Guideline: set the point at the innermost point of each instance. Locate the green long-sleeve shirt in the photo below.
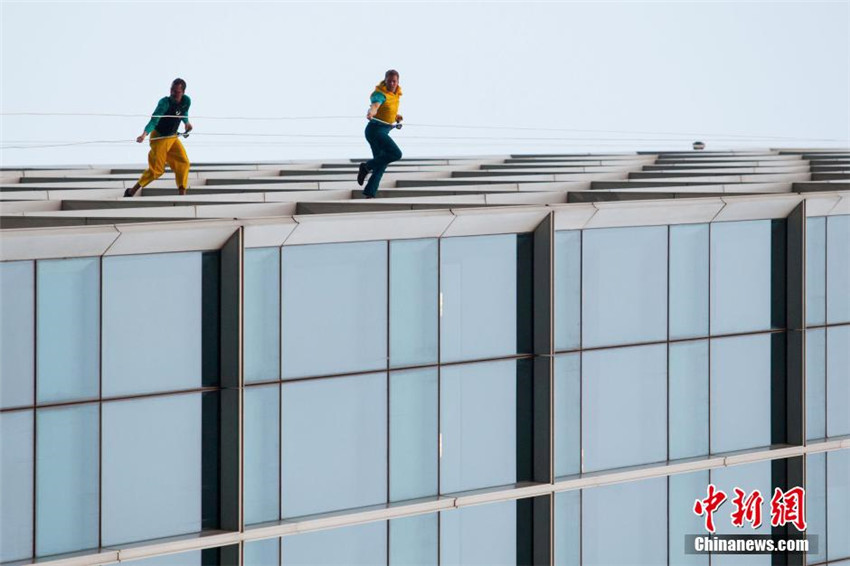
(168, 107)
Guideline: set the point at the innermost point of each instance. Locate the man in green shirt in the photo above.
(166, 147)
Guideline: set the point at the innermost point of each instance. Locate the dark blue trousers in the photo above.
(384, 152)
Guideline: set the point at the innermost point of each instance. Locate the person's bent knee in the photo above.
(396, 155)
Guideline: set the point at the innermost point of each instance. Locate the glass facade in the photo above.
(747, 478)
(478, 287)
(414, 301)
(640, 524)
(262, 314)
(262, 454)
(689, 280)
(414, 434)
(343, 283)
(342, 462)
(741, 276)
(151, 468)
(382, 375)
(740, 392)
(624, 407)
(624, 286)
(688, 402)
(362, 544)
(68, 336)
(478, 426)
(17, 327)
(67, 479)
(837, 269)
(567, 300)
(17, 463)
(485, 534)
(138, 322)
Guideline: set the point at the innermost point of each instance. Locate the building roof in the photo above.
(292, 203)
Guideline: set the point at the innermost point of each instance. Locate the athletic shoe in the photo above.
(361, 174)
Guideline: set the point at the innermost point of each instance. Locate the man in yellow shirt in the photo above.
(165, 143)
(383, 116)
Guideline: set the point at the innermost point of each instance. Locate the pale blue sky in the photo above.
(712, 68)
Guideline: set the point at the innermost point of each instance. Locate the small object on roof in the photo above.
(699, 145)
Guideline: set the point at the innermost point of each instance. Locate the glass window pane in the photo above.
(413, 434)
(68, 329)
(262, 460)
(816, 384)
(17, 327)
(68, 479)
(16, 485)
(343, 283)
(361, 544)
(688, 281)
(413, 541)
(740, 276)
(624, 282)
(816, 504)
(567, 289)
(640, 527)
(816, 270)
(261, 553)
(624, 407)
(748, 477)
(483, 534)
(567, 528)
(478, 425)
(478, 281)
(413, 302)
(838, 269)
(334, 444)
(688, 399)
(151, 468)
(740, 392)
(838, 380)
(683, 490)
(151, 323)
(567, 414)
(262, 314)
(838, 504)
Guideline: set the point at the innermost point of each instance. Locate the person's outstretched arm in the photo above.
(161, 108)
(373, 110)
(376, 99)
(187, 127)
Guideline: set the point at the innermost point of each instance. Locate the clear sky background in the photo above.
(570, 77)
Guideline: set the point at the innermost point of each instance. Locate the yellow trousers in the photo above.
(166, 150)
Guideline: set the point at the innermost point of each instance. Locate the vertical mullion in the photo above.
(826, 506)
(581, 396)
(709, 339)
(581, 357)
(100, 412)
(280, 397)
(35, 265)
(825, 381)
(795, 327)
(667, 390)
(231, 384)
(439, 389)
(387, 400)
(551, 359)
